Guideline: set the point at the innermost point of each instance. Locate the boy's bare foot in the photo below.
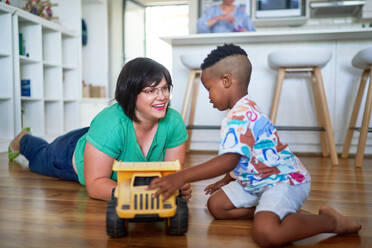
(344, 224)
(15, 144)
(305, 212)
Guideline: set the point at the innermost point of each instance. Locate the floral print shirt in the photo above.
(265, 161)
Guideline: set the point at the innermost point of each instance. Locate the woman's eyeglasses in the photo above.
(154, 92)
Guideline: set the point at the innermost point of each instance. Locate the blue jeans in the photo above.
(54, 159)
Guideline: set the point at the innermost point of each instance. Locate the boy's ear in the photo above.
(226, 80)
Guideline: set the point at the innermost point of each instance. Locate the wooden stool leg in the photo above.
(195, 92)
(323, 138)
(327, 120)
(354, 115)
(364, 129)
(276, 97)
(186, 100)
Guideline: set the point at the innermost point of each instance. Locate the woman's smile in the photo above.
(159, 107)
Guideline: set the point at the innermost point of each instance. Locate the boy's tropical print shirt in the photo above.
(265, 160)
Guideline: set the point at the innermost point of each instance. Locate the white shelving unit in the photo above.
(6, 76)
(50, 59)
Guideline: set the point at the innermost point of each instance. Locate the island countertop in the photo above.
(271, 36)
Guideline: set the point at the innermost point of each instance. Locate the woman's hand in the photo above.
(227, 18)
(186, 191)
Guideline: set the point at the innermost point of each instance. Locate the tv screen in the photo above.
(278, 8)
(277, 4)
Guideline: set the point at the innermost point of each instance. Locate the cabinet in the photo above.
(40, 62)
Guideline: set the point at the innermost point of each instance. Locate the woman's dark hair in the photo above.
(136, 75)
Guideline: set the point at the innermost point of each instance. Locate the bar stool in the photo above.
(362, 60)
(192, 62)
(300, 61)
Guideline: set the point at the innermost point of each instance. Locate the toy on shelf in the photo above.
(131, 201)
(41, 8)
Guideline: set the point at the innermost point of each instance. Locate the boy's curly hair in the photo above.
(221, 52)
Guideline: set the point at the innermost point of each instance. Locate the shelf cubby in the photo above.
(6, 76)
(6, 123)
(34, 73)
(52, 44)
(69, 49)
(6, 61)
(71, 115)
(53, 83)
(53, 117)
(71, 90)
(33, 116)
(6, 34)
(32, 41)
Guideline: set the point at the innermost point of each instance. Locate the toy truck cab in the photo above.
(131, 201)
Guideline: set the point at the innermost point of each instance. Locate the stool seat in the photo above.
(299, 58)
(192, 61)
(363, 59)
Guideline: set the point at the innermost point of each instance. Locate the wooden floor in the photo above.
(39, 211)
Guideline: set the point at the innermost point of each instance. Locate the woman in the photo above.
(139, 127)
(225, 17)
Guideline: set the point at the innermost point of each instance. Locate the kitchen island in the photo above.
(296, 106)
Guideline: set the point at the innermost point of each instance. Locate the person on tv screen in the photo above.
(225, 17)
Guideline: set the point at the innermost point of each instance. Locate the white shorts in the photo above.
(282, 199)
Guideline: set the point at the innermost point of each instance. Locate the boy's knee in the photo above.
(215, 208)
(265, 237)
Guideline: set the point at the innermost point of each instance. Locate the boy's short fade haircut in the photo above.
(221, 52)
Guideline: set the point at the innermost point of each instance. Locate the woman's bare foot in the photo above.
(344, 224)
(15, 144)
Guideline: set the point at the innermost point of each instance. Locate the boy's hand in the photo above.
(211, 188)
(167, 185)
(217, 185)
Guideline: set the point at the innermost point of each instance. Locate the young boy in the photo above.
(264, 179)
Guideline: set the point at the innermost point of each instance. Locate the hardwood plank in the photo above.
(39, 211)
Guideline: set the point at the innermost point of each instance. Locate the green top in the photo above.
(112, 132)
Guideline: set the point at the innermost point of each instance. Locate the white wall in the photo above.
(110, 19)
(115, 20)
(68, 13)
(193, 15)
(175, 18)
(95, 53)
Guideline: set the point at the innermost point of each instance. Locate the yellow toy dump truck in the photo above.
(131, 201)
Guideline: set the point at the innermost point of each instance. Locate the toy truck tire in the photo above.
(178, 224)
(115, 226)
